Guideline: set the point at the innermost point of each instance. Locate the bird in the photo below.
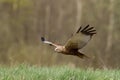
(77, 41)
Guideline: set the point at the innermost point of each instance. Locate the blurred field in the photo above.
(25, 72)
(24, 22)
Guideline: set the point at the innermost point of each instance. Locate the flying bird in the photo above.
(78, 40)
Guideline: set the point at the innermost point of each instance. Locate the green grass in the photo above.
(23, 72)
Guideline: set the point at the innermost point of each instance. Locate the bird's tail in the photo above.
(81, 55)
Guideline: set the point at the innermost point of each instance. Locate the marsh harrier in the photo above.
(75, 43)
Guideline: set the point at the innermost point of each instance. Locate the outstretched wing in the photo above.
(48, 42)
(81, 38)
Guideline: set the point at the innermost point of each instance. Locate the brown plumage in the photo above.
(75, 43)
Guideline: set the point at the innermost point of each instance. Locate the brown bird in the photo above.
(75, 43)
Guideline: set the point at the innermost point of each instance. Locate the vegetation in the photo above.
(23, 22)
(23, 72)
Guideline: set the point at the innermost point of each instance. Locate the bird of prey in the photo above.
(75, 43)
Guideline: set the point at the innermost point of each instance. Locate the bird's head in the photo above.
(59, 49)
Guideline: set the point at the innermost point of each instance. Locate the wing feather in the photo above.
(47, 42)
(81, 38)
(84, 29)
(79, 29)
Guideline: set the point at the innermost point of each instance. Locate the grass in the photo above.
(24, 72)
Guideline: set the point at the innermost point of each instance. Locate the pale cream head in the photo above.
(59, 49)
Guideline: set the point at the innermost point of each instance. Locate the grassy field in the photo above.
(23, 72)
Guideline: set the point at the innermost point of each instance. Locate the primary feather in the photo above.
(48, 42)
(81, 38)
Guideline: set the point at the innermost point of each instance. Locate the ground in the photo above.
(26, 72)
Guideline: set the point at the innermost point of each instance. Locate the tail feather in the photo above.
(81, 55)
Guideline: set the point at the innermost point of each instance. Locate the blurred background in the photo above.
(23, 22)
